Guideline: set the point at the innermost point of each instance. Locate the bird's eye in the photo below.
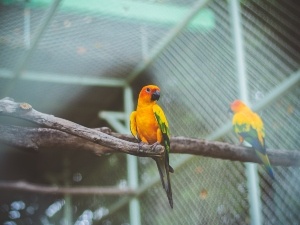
(148, 90)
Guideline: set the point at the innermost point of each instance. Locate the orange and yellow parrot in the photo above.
(250, 128)
(148, 124)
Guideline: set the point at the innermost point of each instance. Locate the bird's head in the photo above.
(237, 106)
(149, 93)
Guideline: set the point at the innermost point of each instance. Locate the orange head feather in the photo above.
(238, 106)
(148, 94)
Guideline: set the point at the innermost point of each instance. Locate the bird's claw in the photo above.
(153, 146)
(140, 146)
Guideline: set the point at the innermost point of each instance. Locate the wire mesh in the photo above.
(197, 76)
(200, 197)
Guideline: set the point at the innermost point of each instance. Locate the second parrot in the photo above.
(250, 128)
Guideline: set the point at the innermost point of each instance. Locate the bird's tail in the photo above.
(270, 171)
(164, 170)
(265, 160)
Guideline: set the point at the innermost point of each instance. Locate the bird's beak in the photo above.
(229, 110)
(155, 96)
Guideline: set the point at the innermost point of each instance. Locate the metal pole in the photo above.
(65, 78)
(27, 27)
(285, 86)
(251, 168)
(132, 165)
(68, 212)
(114, 119)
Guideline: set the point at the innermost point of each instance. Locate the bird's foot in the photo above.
(140, 146)
(153, 146)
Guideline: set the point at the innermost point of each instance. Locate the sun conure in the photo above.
(148, 124)
(250, 128)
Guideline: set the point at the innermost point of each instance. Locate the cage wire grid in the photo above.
(186, 90)
(196, 73)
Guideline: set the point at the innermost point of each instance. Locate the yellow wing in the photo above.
(258, 125)
(250, 126)
(133, 127)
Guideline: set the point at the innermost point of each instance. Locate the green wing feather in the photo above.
(163, 125)
(163, 163)
(250, 126)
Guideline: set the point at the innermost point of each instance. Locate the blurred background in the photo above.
(86, 61)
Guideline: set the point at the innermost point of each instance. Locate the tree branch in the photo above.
(25, 111)
(63, 133)
(41, 139)
(221, 150)
(24, 186)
